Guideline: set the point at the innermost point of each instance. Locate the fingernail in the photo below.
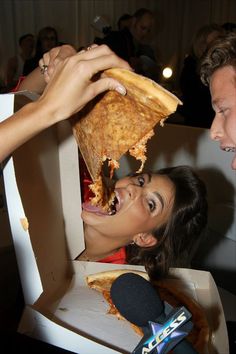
(121, 90)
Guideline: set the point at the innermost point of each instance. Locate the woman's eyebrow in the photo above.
(158, 195)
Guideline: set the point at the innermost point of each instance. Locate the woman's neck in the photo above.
(98, 246)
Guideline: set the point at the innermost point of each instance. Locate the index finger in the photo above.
(104, 51)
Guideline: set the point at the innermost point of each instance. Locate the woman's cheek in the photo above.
(138, 216)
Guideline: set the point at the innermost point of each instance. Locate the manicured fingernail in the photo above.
(121, 90)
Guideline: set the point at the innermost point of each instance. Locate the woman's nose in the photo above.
(216, 131)
(133, 190)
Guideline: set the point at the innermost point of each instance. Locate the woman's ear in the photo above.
(145, 240)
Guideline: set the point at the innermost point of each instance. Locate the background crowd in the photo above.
(149, 38)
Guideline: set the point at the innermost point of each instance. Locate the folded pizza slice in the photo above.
(111, 125)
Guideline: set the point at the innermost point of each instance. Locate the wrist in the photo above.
(45, 113)
(50, 112)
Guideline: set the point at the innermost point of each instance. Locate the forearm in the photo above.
(23, 125)
(33, 82)
(69, 89)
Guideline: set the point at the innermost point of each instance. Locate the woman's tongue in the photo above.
(87, 206)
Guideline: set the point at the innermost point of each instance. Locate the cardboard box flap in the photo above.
(39, 184)
(27, 265)
(70, 189)
(38, 326)
(18, 220)
(35, 197)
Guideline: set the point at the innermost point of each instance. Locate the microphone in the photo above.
(164, 327)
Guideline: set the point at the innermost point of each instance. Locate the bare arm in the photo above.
(70, 87)
(33, 82)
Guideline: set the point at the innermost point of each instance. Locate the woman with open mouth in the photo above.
(155, 221)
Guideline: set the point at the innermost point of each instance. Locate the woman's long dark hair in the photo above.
(177, 238)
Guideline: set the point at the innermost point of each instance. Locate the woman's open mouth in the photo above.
(98, 210)
(115, 205)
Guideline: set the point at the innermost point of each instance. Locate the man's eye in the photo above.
(141, 181)
(223, 111)
(151, 205)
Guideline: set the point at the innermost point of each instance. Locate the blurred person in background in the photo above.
(197, 110)
(124, 21)
(46, 40)
(132, 44)
(16, 63)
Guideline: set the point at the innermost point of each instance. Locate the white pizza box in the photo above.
(44, 204)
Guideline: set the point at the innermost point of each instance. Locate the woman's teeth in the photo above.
(113, 206)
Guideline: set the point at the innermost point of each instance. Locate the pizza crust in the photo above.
(102, 281)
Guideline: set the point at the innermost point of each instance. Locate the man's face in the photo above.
(223, 94)
(48, 41)
(142, 28)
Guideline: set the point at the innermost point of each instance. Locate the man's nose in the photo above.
(216, 131)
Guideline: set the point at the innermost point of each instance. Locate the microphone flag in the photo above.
(160, 338)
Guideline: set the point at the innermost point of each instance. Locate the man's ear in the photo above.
(145, 240)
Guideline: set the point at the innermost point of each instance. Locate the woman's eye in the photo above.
(151, 205)
(141, 181)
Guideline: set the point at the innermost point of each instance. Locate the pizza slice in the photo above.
(111, 125)
(199, 335)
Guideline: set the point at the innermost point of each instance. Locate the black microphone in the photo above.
(139, 302)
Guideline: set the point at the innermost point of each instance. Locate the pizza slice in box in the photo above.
(167, 290)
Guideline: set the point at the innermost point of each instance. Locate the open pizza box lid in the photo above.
(44, 204)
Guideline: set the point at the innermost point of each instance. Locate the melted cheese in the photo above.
(139, 150)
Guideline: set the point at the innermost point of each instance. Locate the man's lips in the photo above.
(233, 165)
(233, 150)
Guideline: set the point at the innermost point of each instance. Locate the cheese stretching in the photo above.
(139, 150)
(111, 125)
(97, 187)
(103, 196)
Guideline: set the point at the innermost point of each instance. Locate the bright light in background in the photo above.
(167, 72)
